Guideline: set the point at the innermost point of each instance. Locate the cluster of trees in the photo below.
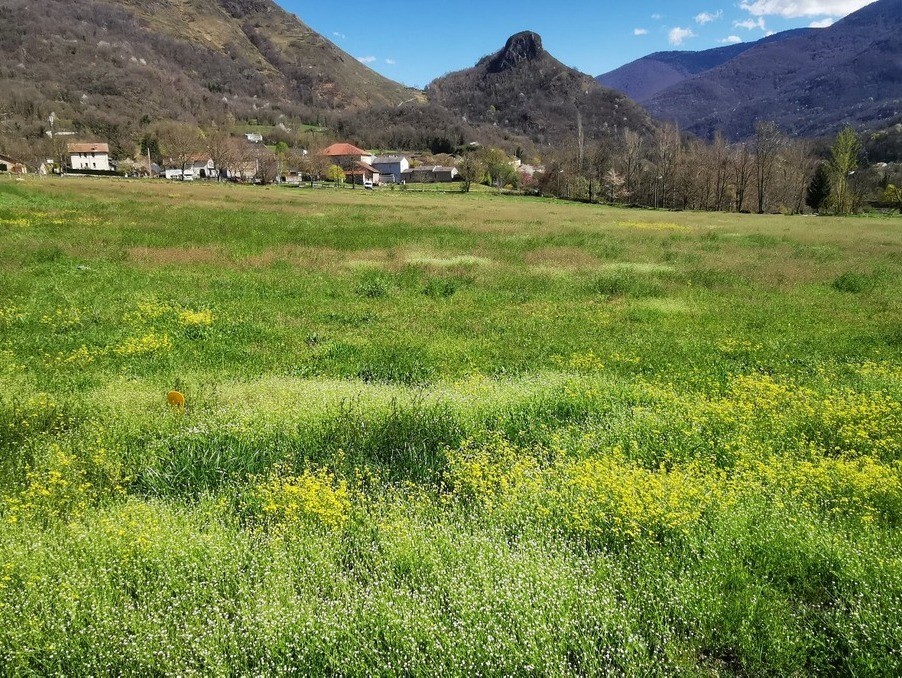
(175, 144)
(769, 173)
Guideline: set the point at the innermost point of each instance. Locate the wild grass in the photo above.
(456, 434)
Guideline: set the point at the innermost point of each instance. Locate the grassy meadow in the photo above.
(443, 434)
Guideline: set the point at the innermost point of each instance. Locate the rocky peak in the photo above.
(525, 46)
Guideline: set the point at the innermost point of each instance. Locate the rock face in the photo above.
(525, 46)
(525, 90)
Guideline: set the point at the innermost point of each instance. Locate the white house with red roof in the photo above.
(347, 155)
(90, 156)
(356, 163)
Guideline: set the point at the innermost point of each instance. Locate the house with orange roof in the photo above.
(89, 156)
(347, 155)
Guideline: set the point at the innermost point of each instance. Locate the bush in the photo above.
(854, 283)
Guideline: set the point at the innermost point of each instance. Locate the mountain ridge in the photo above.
(810, 85)
(643, 78)
(524, 89)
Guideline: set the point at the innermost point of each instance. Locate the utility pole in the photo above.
(52, 121)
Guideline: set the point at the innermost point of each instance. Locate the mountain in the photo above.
(810, 85)
(104, 65)
(526, 90)
(642, 79)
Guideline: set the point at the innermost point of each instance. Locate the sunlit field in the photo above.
(443, 435)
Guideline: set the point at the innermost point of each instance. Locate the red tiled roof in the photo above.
(89, 148)
(339, 150)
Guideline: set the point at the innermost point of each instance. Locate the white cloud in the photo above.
(656, 17)
(826, 22)
(390, 62)
(793, 9)
(640, 31)
(339, 35)
(708, 17)
(366, 59)
(750, 24)
(678, 35)
(731, 40)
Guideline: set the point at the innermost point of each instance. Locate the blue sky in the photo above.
(415, 42)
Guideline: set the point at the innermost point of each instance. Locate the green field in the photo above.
(443, 434)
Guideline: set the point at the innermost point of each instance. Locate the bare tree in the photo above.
(742, 168)
(632, 161)
(218, 145)
(797, 167)
(667, 150)
(768, 143)
(719, 161)
(178, 143)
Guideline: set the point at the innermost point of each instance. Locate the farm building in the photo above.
(7, 164)
(430, 174)
(199, 166)
(347, 156)
(363, 174)
(89, 156)
(391, 167)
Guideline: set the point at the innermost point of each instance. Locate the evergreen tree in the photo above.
(819, 188)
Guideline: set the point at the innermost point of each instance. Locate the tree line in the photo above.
(769, 173)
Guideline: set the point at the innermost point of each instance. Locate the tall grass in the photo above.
(458, 434)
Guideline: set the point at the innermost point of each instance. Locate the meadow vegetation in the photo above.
(457, 434)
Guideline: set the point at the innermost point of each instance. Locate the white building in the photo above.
(391, 167)
(89, 157)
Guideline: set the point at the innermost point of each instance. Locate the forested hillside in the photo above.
(109, 67)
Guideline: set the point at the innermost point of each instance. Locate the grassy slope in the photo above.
(443, 431)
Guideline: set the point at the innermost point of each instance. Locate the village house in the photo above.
(430, 174)
(7, 164)
(199, 166)
(391, 167)
(363, 174)
(203, 167)
(89, 156)
(347, 156)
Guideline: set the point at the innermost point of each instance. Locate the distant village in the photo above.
(340, 163)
